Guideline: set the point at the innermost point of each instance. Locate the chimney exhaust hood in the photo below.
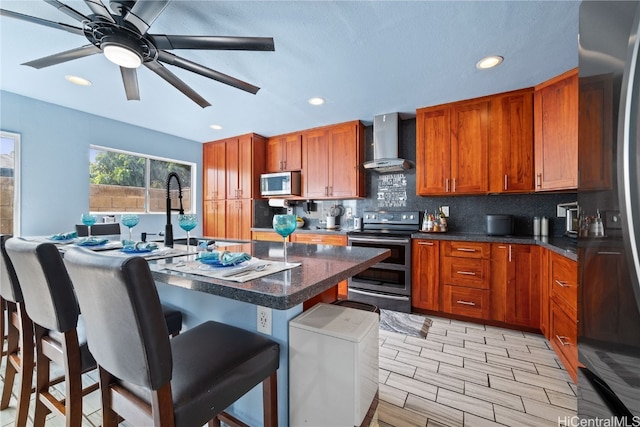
(385, 146)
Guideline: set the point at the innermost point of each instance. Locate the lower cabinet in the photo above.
(425, 279)
(464, 301)
(214, 218)
(267, 236)
(239, 219)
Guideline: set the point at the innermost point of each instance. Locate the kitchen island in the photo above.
(202, 298)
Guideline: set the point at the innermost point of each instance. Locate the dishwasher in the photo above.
(333, 366)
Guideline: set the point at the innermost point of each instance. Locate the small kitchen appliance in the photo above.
(499, 225)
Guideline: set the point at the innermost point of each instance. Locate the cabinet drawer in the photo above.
(466, 249)
(466, 301)
(267, 236)
(319, 239)
(564, 337)
(468, 272)
(564, 280)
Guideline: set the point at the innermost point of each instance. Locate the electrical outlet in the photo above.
(264, 320)
(445, 210)
(348, 213)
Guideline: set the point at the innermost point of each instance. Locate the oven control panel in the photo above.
(385, 217)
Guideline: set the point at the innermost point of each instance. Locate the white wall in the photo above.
(55, 161)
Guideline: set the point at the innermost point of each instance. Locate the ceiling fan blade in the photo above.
(130, 80)
(69, 11)
(172, 79)
(61, 57)
(143, 13)
(51, 24)
(169, 58)
(99, 9)
(162, 41)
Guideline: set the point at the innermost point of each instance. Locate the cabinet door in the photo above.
(470, 147)
(239, 219)
(245, 167)
(344, 161)
(275, 154)
(426, 276)
(511, 144)
(214, 171)
(595, 133)
(233, 164)
(214, 218)
(544, 293)
(316, 164)
(433, 150)
(293, 152)
(523, 286)
(556, 133)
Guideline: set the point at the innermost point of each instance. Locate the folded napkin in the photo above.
(91, 241)
(64, 236)
(131, 246)
(223, 257)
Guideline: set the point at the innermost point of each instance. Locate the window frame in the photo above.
(17, 138)
(147, 179)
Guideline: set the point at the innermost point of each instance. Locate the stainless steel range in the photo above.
(388, 283)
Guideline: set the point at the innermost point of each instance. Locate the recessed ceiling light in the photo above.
(215, 127)
(77, 80)
(316, 101)
(489, 62)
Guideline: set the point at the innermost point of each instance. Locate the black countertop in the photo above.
(322, 267)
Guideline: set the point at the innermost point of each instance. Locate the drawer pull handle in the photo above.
(465, 302)
(608, 253)
(426, 243)
(466, 273)
(466, 249)
(562, 340)
(562, 284)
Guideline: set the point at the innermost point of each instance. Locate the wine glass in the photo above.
(284, 225)
(130, 220)
(88, 219)
(188, 222)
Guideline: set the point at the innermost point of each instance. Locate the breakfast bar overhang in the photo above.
(321, 268)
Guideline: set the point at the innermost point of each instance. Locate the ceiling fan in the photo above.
(123, 39)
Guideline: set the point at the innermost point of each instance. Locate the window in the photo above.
(121, 181)
(9, 183)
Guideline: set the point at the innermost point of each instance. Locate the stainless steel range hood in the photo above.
(385, 146)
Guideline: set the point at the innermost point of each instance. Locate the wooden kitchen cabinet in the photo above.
(425, 281)
(465, 278)
(511, 142)
(331, 158)
(214, 218)
(267, 236)
(563, 302)
(215, 172)
(515, 284)
(452, 148)
(595, 135)
(245, 156)
(556, 133)
(324, 239)
(239, 218)
(284, 153)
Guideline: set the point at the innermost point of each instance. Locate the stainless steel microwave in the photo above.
(280, 184)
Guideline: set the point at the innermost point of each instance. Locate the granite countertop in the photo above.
(322, 267)
(561, 245)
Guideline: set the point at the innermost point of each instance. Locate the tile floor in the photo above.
(462, 374)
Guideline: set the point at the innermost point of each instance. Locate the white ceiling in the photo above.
(364, 57)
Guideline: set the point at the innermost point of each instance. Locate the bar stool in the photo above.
(20, 350)
(59, 332)
(147, 378)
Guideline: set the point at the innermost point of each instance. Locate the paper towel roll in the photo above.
(278, 203)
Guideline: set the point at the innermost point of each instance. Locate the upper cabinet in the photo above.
(556, 133)
(245, 162)
(214, 166)
(511, 143)
(595, 134)
(284, 153)
(331, 158)
(452, 148)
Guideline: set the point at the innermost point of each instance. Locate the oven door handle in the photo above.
(379, 295)
(381, 241)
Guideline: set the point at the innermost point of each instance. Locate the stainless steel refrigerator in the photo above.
(609, 194)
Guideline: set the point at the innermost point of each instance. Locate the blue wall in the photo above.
(55, 161)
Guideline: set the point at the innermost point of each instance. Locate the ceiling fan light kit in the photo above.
(123, 39)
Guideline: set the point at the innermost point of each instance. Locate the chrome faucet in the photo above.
(168, 229)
